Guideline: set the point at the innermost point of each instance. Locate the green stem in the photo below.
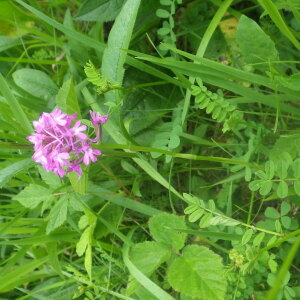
(136, 148)
(272, 295)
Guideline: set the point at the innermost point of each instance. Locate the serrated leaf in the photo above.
(283, 189)
(265, 188)
(198, 273)
(33, 195)
(147, 257)
(284, 208)
(161, 229)
(247, 236)
(58, 214)
(258, 46)
(272, 213)
(35, 82)
(162, 13)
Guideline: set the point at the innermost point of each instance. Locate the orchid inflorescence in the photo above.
(61, 148)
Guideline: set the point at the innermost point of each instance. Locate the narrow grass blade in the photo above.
(273, 12)
(15, 107)
(272, 295)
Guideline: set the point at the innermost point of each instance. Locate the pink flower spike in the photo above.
(77, 130)
(97, 118)
(89, 154)
(61, 147)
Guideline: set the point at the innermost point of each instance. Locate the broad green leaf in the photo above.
(9, 172)
(99, 10)
(265, 188)
(284, 208)
(58, 213)
(247, 236)
(198, 272)
(255, 45)
(33, 195)
(147, 257)
(66, 99)
(163, 229)
(119, 37)
(35, 82)
(283, 189)
(51, 179)
(272, 213)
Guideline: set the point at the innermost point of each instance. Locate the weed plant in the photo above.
(193, 191)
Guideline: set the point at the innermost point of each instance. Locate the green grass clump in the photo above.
(196, 195)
